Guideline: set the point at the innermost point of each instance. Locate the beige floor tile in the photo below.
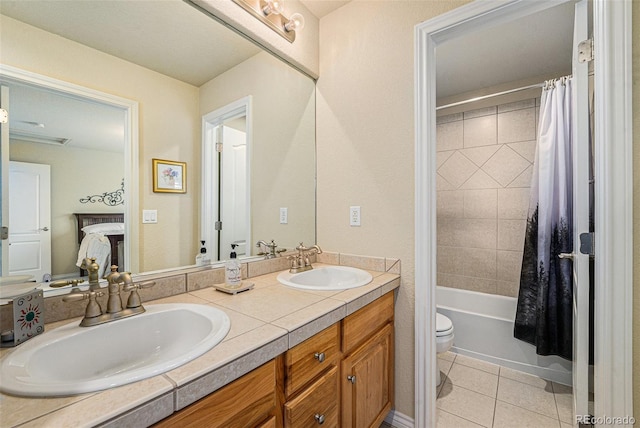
(564, 402)
(474, 379)
(478, 364)
(565, 425)
(528, 397)
(527, 378)
(509, 416)
(449, 356)
(467, 404)
(447, 420)
(444, 365)
(559, 388)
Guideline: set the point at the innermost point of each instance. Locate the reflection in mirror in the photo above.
(174, 95)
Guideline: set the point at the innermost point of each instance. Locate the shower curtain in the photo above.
(544, 315)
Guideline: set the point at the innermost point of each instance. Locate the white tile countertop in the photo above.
(265, 322)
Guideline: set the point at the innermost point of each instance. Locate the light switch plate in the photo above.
(354, 216)
(149, 216)
(284, 216)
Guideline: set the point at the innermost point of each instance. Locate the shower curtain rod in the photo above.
(497, 94)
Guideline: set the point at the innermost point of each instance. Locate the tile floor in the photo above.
(475, 393)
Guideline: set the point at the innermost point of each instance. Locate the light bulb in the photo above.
(296, 22)
(273, 7)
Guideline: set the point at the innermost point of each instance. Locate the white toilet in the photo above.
(444, 338)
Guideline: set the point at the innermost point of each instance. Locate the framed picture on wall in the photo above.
(169, 176)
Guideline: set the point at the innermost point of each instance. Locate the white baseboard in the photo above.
(399, 420)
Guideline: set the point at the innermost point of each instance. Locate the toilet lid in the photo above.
(443, 325)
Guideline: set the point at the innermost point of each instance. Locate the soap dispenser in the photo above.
(232, 274)
(203, 258)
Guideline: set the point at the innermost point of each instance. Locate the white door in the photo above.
(581, 216)
(233, 196)
(29, 219)
(4, 181)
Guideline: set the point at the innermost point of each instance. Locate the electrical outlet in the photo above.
(284, 216)
(149, 216)
(354, 216)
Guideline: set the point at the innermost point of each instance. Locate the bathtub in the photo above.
(483, 326)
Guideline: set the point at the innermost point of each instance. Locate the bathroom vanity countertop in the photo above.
(265, 322)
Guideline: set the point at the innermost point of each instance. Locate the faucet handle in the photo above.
(147, 284)
(63, 282)
(93, 307)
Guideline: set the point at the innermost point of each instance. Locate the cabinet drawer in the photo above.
(310, 358)
(243, 403)
(360, 325)
(271, 423)
(316, 405)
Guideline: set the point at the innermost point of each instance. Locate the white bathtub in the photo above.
(483, 326)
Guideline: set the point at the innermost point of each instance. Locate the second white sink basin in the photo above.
(73, 360)
(326, 278)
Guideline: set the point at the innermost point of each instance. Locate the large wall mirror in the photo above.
(175, 65)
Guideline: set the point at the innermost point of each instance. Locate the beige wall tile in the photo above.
(517, 105)
(479, 155)
(479, 263)
(507, 288)
(450, 204)
(203, 279)
(448, 118)
(449, 136)
(518, 125)
(481, 285)
(393, 266)
(513, 204)
(449, 259)
(485, 111)
(505, 166)
(363, 262)
(524, 179)
(511, 234)
(457, 169)
(450, 280)
(470, 233)
(480, 131)
(481, 180)
(480, 203)
(441, 157)
(509, 264)
(526, 149)
(329, 258)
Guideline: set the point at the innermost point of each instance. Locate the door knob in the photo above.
(44, 229)
(351, 378)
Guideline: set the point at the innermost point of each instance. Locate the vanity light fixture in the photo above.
(270, 13)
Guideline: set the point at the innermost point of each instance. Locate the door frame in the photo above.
(613, 188)
(131, 163)
(209, 204)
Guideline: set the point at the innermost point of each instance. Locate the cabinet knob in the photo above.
(319, 356)
(351, 378)
(319, 419)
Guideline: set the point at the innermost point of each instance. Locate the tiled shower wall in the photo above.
(485, 159)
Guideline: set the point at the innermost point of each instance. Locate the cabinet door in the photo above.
(316, 405)
(367, 381)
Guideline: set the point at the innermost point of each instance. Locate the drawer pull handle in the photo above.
(319, 356)
(351, 378)
(319, 419)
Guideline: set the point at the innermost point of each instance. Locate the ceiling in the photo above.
(177, 40)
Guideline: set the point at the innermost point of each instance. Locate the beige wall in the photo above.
(168, 120)
(283, 152)
(636, 207)
(67, 164)
(365, 144)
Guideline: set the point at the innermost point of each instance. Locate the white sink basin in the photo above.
(326, 278)
(73, 360)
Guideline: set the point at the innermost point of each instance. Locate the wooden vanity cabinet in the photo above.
(367, 367)
(340, 377)
(312, 390)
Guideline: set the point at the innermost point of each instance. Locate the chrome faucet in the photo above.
(94, 314)
(301, 262)
(89, 264)
(270, 251)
